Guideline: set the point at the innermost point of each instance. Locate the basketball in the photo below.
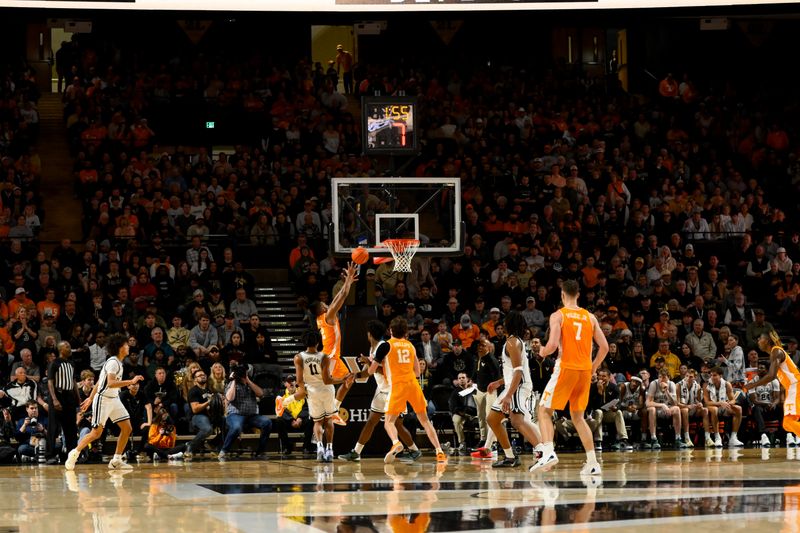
(360, 255)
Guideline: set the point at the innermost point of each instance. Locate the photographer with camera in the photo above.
(30, 430)
(208, 409)
(242, 411)
(162, 437)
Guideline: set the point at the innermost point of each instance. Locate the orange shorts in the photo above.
(402, 393)
(567, 385)
(339, 370)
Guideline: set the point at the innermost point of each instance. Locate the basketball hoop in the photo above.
(403, 251)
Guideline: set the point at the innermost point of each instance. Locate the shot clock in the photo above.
(389, 125)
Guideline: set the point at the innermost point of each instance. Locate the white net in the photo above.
(403, 251)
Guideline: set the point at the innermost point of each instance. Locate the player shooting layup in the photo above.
(331, 331)
(572, 330)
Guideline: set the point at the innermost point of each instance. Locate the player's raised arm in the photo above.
(602, 344)
(554, 335)
(338, 300)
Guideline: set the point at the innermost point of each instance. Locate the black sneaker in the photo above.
(508, 462)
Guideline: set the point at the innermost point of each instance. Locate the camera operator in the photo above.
(29, 431)
(204, 404)
(242, 411)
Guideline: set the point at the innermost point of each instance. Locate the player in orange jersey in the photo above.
(572, 329)
(401, 368)
(331, 331)
(786, 371)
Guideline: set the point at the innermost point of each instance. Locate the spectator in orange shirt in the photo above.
(494, 319)
(20, 300)
(295, 254)
(668, 88)
(466, 331)
(612, 317)
(49, 304)
(590, 273)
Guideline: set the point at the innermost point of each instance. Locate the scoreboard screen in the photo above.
(390, 125)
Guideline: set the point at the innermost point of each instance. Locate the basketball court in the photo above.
(727, 490)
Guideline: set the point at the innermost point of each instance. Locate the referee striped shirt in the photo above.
(62, 373)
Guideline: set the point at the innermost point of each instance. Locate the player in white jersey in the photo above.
(375, 332)
(516, 401)
(690, 401)
(314, 381)
(106, 404)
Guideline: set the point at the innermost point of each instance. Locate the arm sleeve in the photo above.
(382, 352)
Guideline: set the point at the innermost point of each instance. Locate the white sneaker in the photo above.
(765, 443)
(175, 457)
(72, 459)
(591, 469)
(222, 456)
(687, 441)
(734, 442)
(592, 482)
(791, 442)
(544, 464)
(718, 441)
(119, 464)
(709, 441)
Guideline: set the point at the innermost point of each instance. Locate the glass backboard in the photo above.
(367, 211)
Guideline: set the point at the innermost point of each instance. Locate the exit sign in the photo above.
(210, 125)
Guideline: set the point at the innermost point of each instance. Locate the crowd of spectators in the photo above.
(670, 209)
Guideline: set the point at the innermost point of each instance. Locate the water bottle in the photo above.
(495, 454)
(155, 458)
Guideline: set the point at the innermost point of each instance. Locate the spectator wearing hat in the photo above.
(344, 68)
(466, 332)
(533, 317)
(612, 317)
(20, 300)
(494, 320)
(783, 261)
(228, 328)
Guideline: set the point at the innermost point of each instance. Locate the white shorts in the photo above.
(321, 401)
(521, 402)
(105, 409)
(379, 402)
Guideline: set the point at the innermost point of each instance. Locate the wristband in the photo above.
(517, 368)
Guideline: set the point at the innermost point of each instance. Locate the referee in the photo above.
(63, 403)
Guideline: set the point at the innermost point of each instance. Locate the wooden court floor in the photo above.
(700, 490)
